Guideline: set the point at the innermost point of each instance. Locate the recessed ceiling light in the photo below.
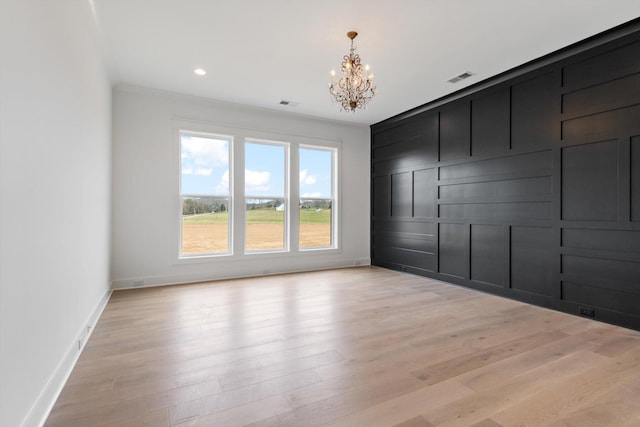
(200, 71)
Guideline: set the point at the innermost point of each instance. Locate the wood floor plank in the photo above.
(551, 403)
(322, 412)
(395, 411)
(433, 374)
(349, 347)
(415, 422)
(275, 370)
(505, 370)
(487, 422)
(185, 411)
(365, 376)
(241, 415)
(156, 418)
(485, 403)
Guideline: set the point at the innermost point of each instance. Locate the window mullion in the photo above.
(294, 198)
(239, 205)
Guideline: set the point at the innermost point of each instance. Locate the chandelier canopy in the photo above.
(355, 88)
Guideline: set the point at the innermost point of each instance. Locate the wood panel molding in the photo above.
(531, 178)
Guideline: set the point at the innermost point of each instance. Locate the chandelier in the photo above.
(355, 88)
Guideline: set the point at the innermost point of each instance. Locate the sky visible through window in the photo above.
(205, 165)
(264, 170)
(205, 168)
(315, 173)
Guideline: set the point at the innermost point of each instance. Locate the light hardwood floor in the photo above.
(352, 347)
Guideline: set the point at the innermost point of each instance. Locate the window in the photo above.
(204, 194)
(253, 195)
(265, 189)
(316, 217)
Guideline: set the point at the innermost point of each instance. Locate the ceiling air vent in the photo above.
(289, 103)
(459, 77)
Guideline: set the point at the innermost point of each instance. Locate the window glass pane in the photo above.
(205, 225)
(264, 173)
(316, 173)
(265, 187)
(316, 198)
(204, 187)
(315, 223)
(205, 165)
(265, 224)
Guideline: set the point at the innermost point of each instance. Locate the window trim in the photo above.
(286, 244)
(236, 164)
(231, 143)
(335, 205)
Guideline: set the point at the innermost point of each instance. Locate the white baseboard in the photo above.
(44, 403)
(219, 274)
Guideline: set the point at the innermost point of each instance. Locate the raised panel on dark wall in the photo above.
(407, 227)
(404, 154)
(487, 254)
(635, 178)
(402, 257)
(607, 274)
(620, 241)
(452, 249)
(520, 211)
(609, 65)
(404, 244)
(603, 97)
(413, 242)
(580, 293)
(532, 113)
(424, 193)
(530, 162)
(601, 126)
(381, 197)
(455, 132)
(401, 194)
(493, 191)
(531, 260)
(490, 122)
(526, 185)
(429, 124)
(406, 149)
(409, 145)
(590, 182)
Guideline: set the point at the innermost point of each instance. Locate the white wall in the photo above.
(145, 186)
(55, 115)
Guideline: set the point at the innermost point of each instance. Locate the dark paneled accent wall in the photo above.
(528, 187)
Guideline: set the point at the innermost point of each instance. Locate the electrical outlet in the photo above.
(587, 312)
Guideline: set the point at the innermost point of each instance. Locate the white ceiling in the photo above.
(258, 52)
